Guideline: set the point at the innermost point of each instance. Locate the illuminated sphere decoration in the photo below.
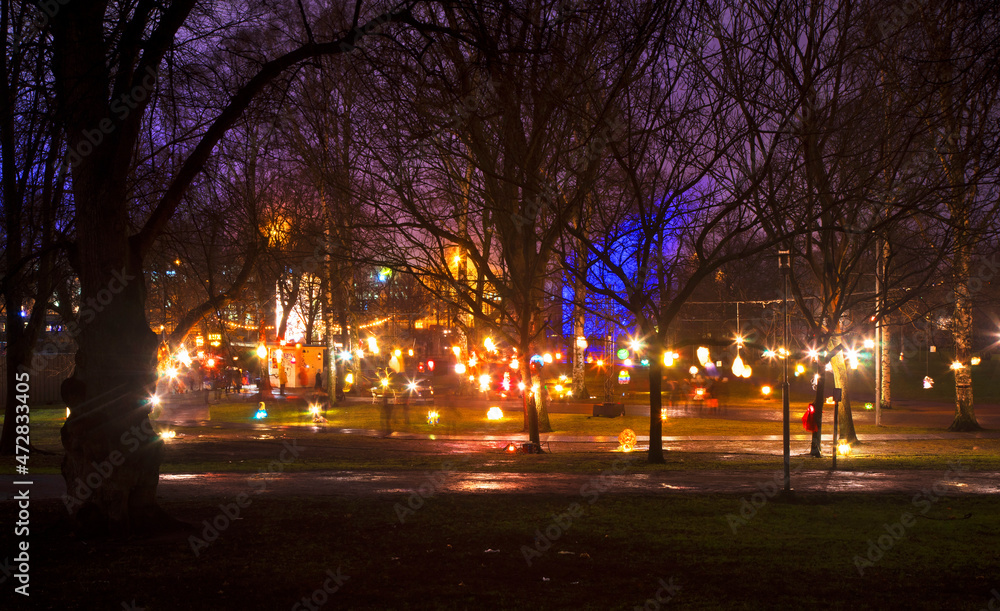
(494, 413)
(433, 417)
(626, 439)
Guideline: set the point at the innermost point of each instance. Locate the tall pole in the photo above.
(784, 266)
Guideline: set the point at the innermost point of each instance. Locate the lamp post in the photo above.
(784, 266)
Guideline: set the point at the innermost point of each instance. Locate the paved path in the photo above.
(620, 478)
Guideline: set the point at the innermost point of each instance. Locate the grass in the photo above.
(612, 556)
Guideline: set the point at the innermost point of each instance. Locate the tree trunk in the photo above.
(965, 415)
(885, 372)
(527, 398)
(816, 448)
(655, 405)
(113, 454)
(580, 391)
(842, 379)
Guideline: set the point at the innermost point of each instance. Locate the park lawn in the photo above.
(469, 551)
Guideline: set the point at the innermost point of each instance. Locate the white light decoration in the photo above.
(703, 356)
(547, 358)
(488, 343)
(747, 371)
(484, 382)
(581, 342)
(869, 344)
(494, 413)
(693, 370)
(738, 366)
(668, 359)
(459, 368)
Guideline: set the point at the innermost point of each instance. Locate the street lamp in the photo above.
(784, 266)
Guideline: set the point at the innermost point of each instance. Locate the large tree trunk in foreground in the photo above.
(113, 454)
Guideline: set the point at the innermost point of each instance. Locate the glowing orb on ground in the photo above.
(765, 390)
(314, 409)
(626, 439)
(844, 449)
(433, 417)
(168, 434)
(494, 413)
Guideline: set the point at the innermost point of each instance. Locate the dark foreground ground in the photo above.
(462, 551)
(357, 522)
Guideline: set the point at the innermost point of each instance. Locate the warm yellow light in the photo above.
(397, 352)
(155, 400)
(385, 381)
(812, 353)
(956, 365)
(558, 387)
(627, 362)
(168, 434)
(494, 413)
(521, 385)
(313, 409)
(211, 362)
(626, 439)
(844, 448)
(635, 345)
(184, 357)
(663, 413)
(800, 368)
(739, 340)
(668, 359)
(747, 371)
(975, 360)
(581, 342)
(765, 390)
(459, 368)
(349, 378)
(693, 370)
(869, 343)
(409, 352)
(360, 353)
(852, 358)
(600, 362)
(515, 364)
(456, 350)
(558, 356)
(488, 343)
(484, 382)
(171, 372)
(432, 417)
(278, 354)
(547, 358)
(372, 345)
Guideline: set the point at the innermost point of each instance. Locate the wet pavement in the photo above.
(621, 478)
